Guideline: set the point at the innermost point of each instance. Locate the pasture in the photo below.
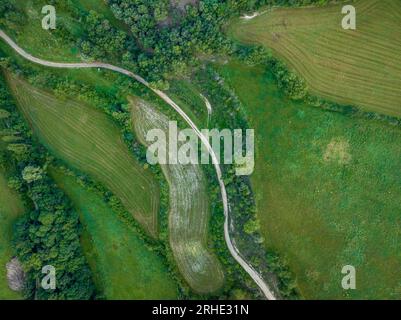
(123, 266)
(327, 189)
(88, 140)
(359, 67)
(10, 209)
(189, 209)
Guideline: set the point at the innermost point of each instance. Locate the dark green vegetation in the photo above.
(86, 139)
(48, 234)
(326, 187)
(124, 267)
(11, 208)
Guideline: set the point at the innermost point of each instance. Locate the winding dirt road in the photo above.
(233, 249)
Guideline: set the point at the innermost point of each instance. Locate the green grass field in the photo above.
(360, 67)
(189, 210)
(327, 189)
(123, 266)
(10, 209)
(45, 44)
(87, 140)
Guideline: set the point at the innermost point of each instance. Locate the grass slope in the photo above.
(49, 44)
(86, 139)
(189, 210)
(188, 96)
(45, 44)
(327, 189)
(124, 267)
(10, 208)
(360, 67)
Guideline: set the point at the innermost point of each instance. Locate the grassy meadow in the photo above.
(188, 96)
(88, 140)
(123, 266)
(360, 67)
(327, 188)
(45, 44)
(10, 209)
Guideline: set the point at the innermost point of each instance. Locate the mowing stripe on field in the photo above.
(189, 210)
(360, 67)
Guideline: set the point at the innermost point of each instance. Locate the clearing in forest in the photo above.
(189, 209)
(122, 264)
(88, 140)
(359, 67)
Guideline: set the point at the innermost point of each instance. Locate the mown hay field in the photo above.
(122, 264)
(359, 67)
(11, 208)
(89, 141)
(189, 209)
(327, 189)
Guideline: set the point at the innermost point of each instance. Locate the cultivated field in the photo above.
(10, 209)
(189, 210)
(123, 266)
(359, 67)
(87, 140)
(327, 188)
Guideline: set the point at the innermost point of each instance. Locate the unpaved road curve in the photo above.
(233, 249)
